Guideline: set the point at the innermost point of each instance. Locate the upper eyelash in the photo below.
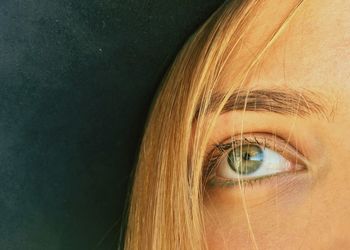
(226, 146)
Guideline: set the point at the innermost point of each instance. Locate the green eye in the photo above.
(251, 158)
(245, 159)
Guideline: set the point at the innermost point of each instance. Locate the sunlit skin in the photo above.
(307, 209)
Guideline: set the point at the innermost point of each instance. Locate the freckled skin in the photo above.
(302, 211)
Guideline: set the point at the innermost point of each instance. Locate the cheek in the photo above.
(281, 213)
(274, 213)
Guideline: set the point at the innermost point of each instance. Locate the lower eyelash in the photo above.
(244, 182)
(217, 182)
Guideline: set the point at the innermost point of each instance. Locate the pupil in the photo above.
(246, 159)
(246, 156)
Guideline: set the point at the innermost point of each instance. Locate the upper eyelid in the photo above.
(255, 135)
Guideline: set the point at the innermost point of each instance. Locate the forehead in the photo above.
(312, 50)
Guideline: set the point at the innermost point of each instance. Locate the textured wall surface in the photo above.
(76, 81)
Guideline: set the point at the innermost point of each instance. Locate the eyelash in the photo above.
(247, 182)
(223, 148)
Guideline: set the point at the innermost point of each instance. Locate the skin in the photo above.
(303, 210)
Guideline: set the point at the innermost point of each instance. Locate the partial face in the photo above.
(281, 175)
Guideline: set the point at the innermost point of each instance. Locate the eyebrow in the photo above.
(285, 102)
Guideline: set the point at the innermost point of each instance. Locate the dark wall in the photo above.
(76, 81)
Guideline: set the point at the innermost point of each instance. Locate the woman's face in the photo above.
(295, 135)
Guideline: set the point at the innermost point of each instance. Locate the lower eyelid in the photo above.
(222, 182)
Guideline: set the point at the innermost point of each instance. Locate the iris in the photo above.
(246, 159)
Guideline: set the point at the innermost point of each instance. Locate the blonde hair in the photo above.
(166, 207)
